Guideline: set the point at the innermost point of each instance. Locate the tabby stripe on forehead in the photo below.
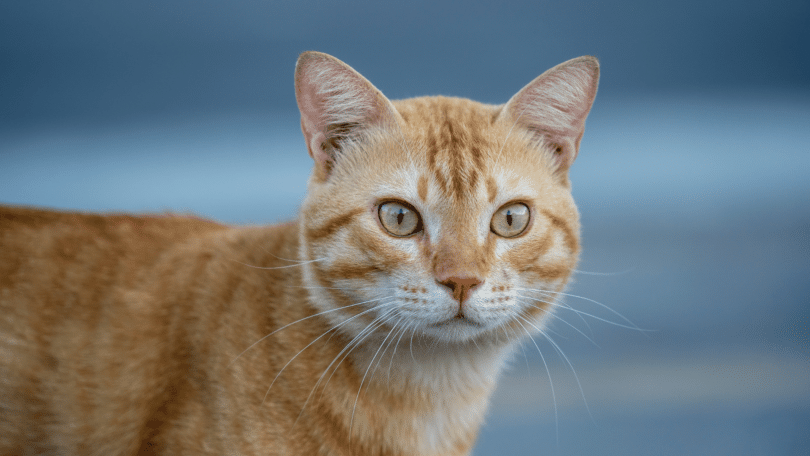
(456, 162)
(478, 163)
(421, 187)
(332, 225)
(455, 153)
(433, 151)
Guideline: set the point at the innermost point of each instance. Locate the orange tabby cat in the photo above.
(435, 235)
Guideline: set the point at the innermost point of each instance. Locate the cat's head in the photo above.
(440, 216)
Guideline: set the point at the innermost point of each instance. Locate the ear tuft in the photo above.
(555, 105)
(337, 105)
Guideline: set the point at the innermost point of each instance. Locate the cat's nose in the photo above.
(460, 286)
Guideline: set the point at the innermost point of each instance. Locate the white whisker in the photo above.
(287, 259)
(635, 328)
(378, 322)
(562, 355)
(302, 319)
(360, 388)
(394, 353)
(604, 273)
(358, 338)
(553, 315)
(310, 344)
(341, 288)
(550, 382)
(393, 331)
(279, 267)
(549, 292)
(523, 350)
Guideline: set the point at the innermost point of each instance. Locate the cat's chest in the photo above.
(436, 400)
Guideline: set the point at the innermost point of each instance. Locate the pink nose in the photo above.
(460, 286)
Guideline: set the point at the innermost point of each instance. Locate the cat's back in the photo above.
(52, 246)
(75, 288)
(51, 257)
(37, 230)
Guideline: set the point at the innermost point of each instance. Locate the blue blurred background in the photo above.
(693, 178)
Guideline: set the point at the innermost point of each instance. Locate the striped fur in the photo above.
(325, 336)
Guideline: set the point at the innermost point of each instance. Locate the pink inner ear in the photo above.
(335, 102)
(555, 105)
(313, 129)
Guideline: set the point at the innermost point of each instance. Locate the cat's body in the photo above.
(408, 279)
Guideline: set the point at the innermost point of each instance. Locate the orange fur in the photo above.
(168, 334)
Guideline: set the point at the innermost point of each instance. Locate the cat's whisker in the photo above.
(349, 346)
(413, 331)
(604, 273)
(341, 288)
(550, 292)
(287, 259)
(360, 388)
(559, 303)
(394, 330)
(581, 312)
(553, 315)
(310, 344)
(394, 354)
(302, 319)
(357, 340)
(573, 371)
(279, 267)
(504, 333)
(525, 358)
(555, 333)
(315, 387)
(475, 343)
(550, 382)
(562, 355)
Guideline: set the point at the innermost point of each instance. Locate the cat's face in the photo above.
(437, 216)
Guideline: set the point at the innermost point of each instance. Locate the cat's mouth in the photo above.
(458, 319)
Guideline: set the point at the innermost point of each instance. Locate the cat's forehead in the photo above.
(455, 141)
(464, 148)
(444, 123)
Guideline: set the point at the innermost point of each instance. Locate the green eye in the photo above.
(399, 219)
(510, 220)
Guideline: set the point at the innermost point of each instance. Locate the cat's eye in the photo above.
(510, 220)
(399, 219)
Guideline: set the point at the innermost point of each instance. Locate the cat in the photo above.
(436, 235)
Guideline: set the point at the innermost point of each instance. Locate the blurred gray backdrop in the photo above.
(693, 179)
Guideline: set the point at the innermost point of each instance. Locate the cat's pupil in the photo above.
(400, 216)
(509, 218)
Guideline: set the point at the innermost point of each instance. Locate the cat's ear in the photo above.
(554, 107)
(337, 105)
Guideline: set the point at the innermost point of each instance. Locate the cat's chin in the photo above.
(456, 330)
